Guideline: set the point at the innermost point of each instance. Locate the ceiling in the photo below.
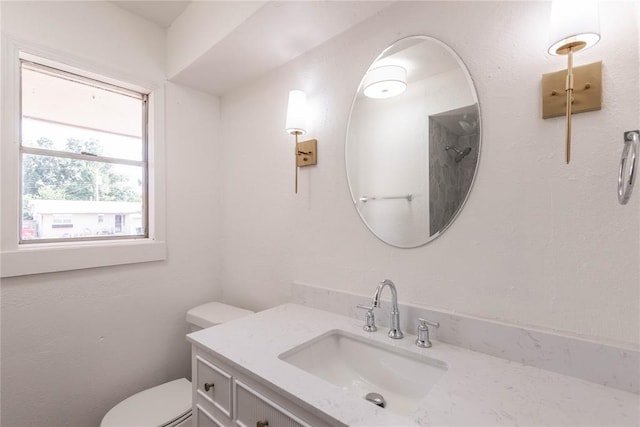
(274, 34)
(277, 33)
(162, 13)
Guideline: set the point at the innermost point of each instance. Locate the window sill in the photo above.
(77, 256)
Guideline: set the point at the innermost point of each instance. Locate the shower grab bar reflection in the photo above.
(627, 174)
(365, 199)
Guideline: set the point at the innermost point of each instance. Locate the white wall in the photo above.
(538, 243)
(76, 343)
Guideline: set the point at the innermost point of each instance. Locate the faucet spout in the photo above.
(394, 315)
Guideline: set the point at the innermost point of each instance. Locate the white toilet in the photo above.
(169, 404)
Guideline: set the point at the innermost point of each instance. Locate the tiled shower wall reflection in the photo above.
(449, 181)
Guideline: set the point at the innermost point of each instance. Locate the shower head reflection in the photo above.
(459, 154)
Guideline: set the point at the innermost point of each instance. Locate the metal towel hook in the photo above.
(627, 175)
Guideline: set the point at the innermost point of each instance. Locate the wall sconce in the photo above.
(305, 151)
(385, 82)
(574, 27)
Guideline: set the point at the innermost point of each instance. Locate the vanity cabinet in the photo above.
(224, 396)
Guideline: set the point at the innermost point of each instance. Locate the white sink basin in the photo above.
(363, 366)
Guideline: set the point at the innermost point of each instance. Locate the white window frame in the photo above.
(18, 259)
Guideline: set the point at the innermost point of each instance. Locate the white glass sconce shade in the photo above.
(385, 82)
(575, 24)
(297, 113)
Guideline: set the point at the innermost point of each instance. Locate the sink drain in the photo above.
(376, 399)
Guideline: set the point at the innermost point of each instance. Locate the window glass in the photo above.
(64, 137)
(83, 158)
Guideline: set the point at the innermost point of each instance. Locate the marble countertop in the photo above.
(476, 389)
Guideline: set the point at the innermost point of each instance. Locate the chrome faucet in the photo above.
(394, 315)
(423, 340)
(369, 319)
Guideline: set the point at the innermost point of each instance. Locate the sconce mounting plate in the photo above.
(307, 153)
(587, 92)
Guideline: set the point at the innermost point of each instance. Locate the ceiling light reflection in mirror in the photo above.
(385, 82)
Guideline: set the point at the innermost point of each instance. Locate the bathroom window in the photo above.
(83, 153)
(82, 166)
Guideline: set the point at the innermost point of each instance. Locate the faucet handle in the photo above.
(423, 332)
(425, 322)
(369, 319)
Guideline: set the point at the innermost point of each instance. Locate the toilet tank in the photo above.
(213, 313)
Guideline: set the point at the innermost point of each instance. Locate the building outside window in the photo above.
(62, 220)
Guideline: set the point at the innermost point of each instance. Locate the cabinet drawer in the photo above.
(255, 410)
(214, 385)
(204, 419)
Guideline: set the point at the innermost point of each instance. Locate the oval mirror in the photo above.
(413, 141)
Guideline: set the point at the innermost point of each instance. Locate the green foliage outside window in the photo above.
(59, 178)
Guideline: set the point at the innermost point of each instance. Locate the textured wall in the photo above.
(75, 343)
(538, 243)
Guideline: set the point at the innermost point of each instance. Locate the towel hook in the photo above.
(627, 174)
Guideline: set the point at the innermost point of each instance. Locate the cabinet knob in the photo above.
(264, 423)
(208, 386)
